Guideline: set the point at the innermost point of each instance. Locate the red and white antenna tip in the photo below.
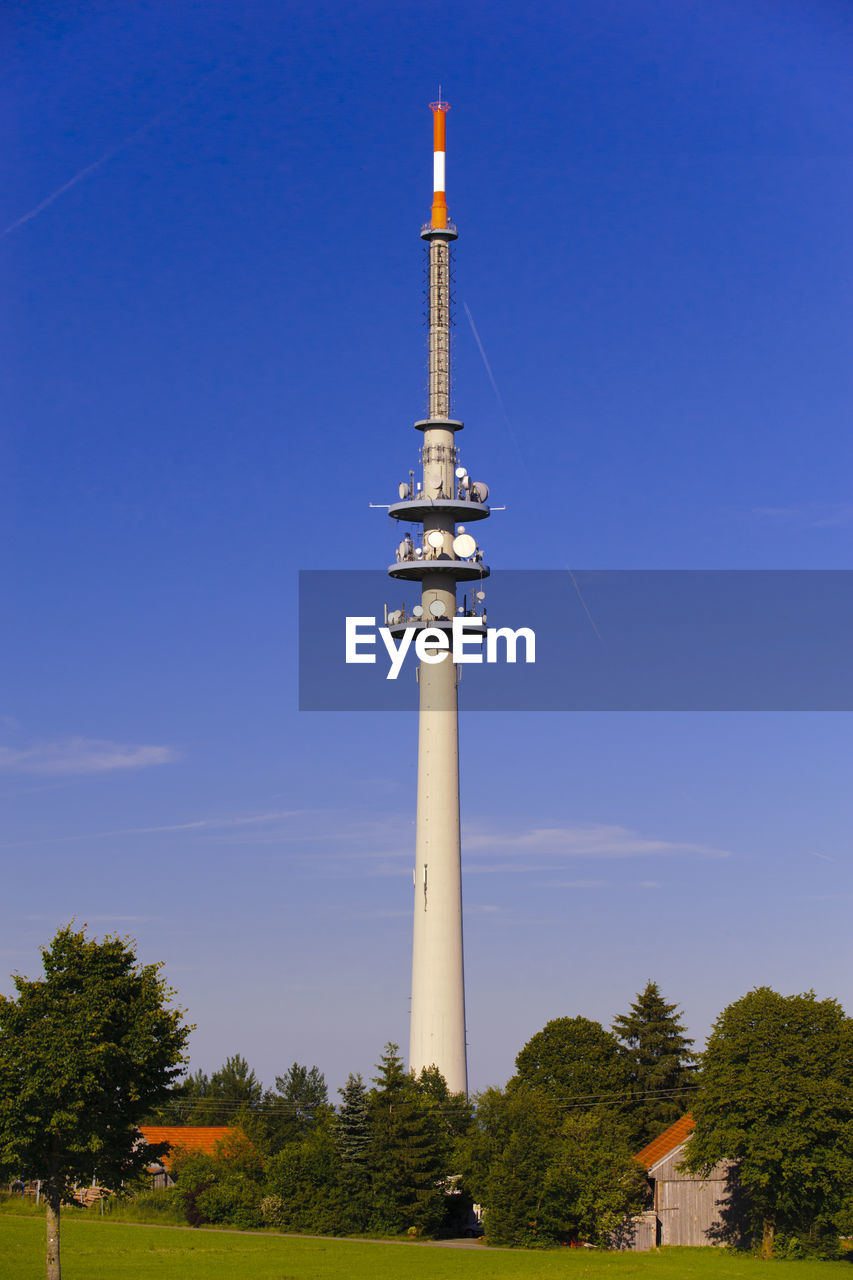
(439, 197)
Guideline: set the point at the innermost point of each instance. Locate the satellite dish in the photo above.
(482, 491)
(479, 595)
(460, 528)
(403, 490)
(419, 551)
(437, 609)
(460, 472)
(395, 617)
(435, 538)
(418, 611)
(435, 479)
(464, 546)
(466, 482)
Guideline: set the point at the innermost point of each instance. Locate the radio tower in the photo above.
(440, 556)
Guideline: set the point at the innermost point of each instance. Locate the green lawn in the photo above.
(97, 1249)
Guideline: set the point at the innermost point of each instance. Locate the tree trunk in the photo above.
(52, 1202)
(768, 1238)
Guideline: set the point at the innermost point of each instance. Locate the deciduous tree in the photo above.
(574, 1060)
(776, 1095)
(85, 1052)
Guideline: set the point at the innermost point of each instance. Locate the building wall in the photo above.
(688, 1209)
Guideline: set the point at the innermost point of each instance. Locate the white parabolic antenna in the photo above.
(436, 608)
(460, 472)
(403, 489)
(435, 479)
(481, 490)
(464, 545)
(480, 595)
(435, 538)
(418, 611)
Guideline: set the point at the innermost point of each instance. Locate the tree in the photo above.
(233, 1088)
(352, 1132)
(303, 1089)
(408, 1153)
(549, 1174)
(503, 1160)
(225, 1187)
(288, 1113)
(574, 1060)
(776, 1096)
(593, 1185)
(657, 1053)
(85, 1052)
(305, 1188)
(352, 1124)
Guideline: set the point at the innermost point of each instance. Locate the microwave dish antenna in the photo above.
(464, 546)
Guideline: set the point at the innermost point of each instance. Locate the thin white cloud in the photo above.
(583, 842)
(104, 919)
(597, 884)
(77, 756)
(206, 824)
(574, 884)
(811, 515)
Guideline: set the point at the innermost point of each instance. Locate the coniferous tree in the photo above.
(353, 1137)
(352, 1124)
(660, 1063)
(408, 1152)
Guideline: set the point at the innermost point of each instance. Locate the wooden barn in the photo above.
(686, 1209)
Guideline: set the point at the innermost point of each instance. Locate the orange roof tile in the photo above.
(199, 1139)
(665, 1142)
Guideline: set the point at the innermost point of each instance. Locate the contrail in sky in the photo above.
(584, 603)
(500, 401)
(498, 395)
(96, 164)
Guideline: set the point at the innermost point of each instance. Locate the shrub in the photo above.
(222, 1188)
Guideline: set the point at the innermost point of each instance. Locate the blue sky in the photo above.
(214, 352)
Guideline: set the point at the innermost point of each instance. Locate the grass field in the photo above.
(98, 1249)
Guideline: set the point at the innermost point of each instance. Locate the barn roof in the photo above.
(197, 1139)
(666, 1142)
